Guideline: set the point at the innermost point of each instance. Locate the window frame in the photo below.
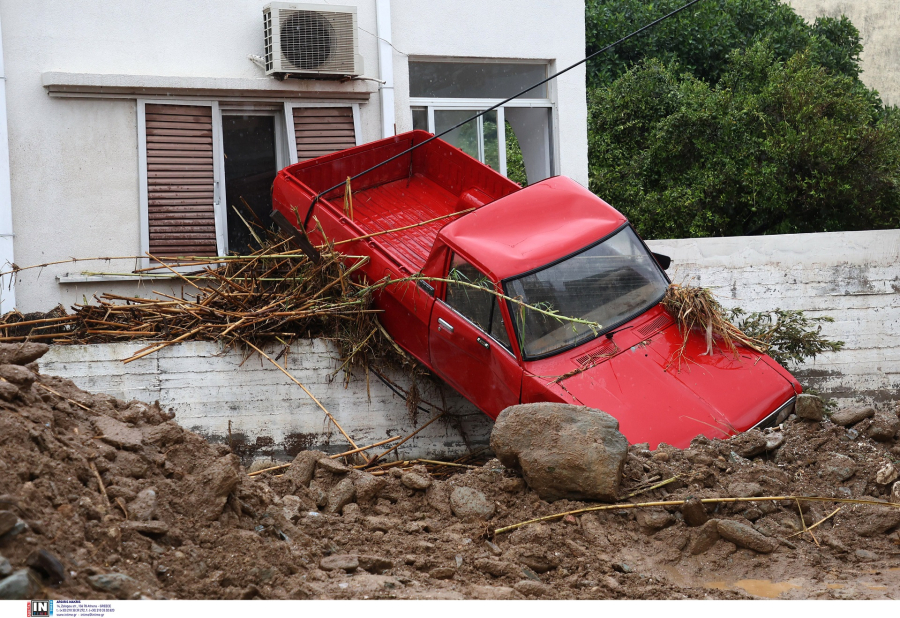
(495, 305)
(220, 107)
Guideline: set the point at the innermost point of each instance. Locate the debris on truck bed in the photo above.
(106, 499)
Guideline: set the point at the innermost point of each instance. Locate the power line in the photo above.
(500, 104)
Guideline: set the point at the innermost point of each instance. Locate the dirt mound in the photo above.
(110, 499)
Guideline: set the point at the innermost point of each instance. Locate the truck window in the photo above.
(607, 283)
(480, 307)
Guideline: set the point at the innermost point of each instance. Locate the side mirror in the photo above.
(664, 261)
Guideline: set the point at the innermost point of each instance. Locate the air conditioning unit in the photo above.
(311, 40)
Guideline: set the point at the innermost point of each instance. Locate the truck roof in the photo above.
(533, 227)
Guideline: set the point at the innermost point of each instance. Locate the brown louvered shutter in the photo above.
(180, 181)
(323, 130)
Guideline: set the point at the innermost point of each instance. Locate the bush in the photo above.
(792, 337)
(773, 147)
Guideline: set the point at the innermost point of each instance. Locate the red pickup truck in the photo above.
(553, 245)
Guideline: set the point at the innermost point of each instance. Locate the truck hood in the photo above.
(656, 400)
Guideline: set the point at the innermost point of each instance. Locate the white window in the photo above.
(206, 167)
(515, 139)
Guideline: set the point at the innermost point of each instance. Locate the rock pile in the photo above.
(101, 498)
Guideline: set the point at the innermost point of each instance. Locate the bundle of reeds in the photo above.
(694, 308)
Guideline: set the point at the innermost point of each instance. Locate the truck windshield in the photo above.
(606, 283)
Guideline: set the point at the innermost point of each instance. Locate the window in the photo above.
(515, 140)
(606, 284)
(481, 307)
(207, 167)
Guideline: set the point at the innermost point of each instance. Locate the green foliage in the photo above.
(515, 164)
(791, 335)
(775, 146)
(701, 38)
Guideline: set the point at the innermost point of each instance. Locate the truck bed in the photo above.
(433, 181)
(403, 203)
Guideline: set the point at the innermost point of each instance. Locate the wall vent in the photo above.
(311, 40)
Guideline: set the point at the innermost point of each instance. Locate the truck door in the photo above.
(469, 342)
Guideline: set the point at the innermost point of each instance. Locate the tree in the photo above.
(774, 146)
(701, 38)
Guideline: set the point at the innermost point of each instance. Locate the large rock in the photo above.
(18, 375)
(303, 467)
(884, 426)
(209, 490)
(117, 433)
(19, 586)
(743, 535)
(563, 451)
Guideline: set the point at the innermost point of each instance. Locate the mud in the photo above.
(129, 505)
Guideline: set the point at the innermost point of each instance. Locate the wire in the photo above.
(501, 103)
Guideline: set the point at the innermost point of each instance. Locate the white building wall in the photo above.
(217, 392)
(853, 277)
(74, 162)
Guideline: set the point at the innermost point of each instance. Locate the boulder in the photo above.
(117, 433)
(694, 513)
(209, 490)
(340, 496)
(367, 487)
(706, 537)
(18, 375)
(21, 585)
(562, 451)
(851, 416)
(809, 407)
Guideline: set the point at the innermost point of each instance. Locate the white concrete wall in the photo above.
(878, 22)
(74, 162)
(854, 277)
(208, 387)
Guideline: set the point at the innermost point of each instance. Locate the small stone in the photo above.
(653, 520)
(367, 487)
(5, 567)
(493, 548)
(749, 444)
(19, 586)
(442, 573)
(865, 555)
(774, 440)
(374, 564)
(531, 588)
(495, 593)
(18, 375)
(694, 513)
(151, 528)
(538, 560)
(839, 467)
(47, 565)
(417, 481)
(8, 521)
(118, 584)
(332, 465)
(851, 416)
(301, 470)
(512, 485)
(895, 493)
(339, 562)
(470, 504)
(379, 524)
(143, 507)
(743, 535)
(340, 495)
(706, 537)
(884, 426)
(886, 474)
(746, 490)
(8, 391)
(809, 407)
(570, 520)
(117, 433)
(493, 567)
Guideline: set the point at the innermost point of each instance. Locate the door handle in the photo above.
(443, 324)
(484, 343)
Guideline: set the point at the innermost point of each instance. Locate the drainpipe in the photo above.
(7, 283)
(385, 66)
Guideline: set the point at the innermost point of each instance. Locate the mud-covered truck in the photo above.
(520, 295)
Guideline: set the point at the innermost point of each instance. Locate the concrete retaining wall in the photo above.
(854, 277)
(209, 388)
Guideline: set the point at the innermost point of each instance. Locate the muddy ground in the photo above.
(111, 499)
